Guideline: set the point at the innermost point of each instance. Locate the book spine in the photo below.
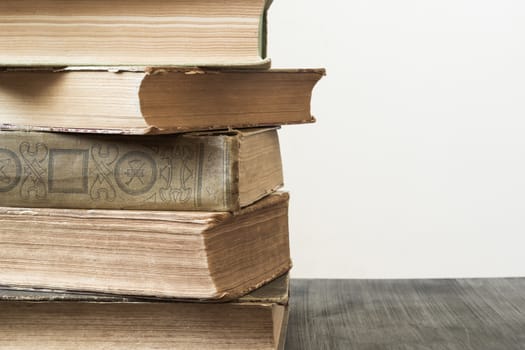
(118, 172)
(231, 193)
(263, 31)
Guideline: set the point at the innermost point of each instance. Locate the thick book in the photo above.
(133, 32)
(154, 100)
(213, 171)
(163, 254)
(50, 321)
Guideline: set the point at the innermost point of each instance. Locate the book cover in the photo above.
(135, 100)
(161, 254)
(52, 321)
(131, 32)
(217, 171)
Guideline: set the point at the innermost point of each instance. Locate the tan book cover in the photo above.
(217, 171)
(164, 254)
(133, 32)
(153, 100)
(57, 321)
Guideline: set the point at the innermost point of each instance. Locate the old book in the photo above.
(49, 321)
(164, 254)
(154, 100)
(132, 32)
(214, 171)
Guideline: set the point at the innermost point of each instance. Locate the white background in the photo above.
(416, 167)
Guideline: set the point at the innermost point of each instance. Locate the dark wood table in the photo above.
(469, 314)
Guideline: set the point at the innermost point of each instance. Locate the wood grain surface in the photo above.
(469, 314)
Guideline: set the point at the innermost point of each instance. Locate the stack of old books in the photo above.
(139, 200)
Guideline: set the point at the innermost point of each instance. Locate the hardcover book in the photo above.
(163, 254)
(133, 32)
(213, 171)
(51, 321)
(154, 100)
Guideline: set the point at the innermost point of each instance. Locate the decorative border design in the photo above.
(52, 187)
